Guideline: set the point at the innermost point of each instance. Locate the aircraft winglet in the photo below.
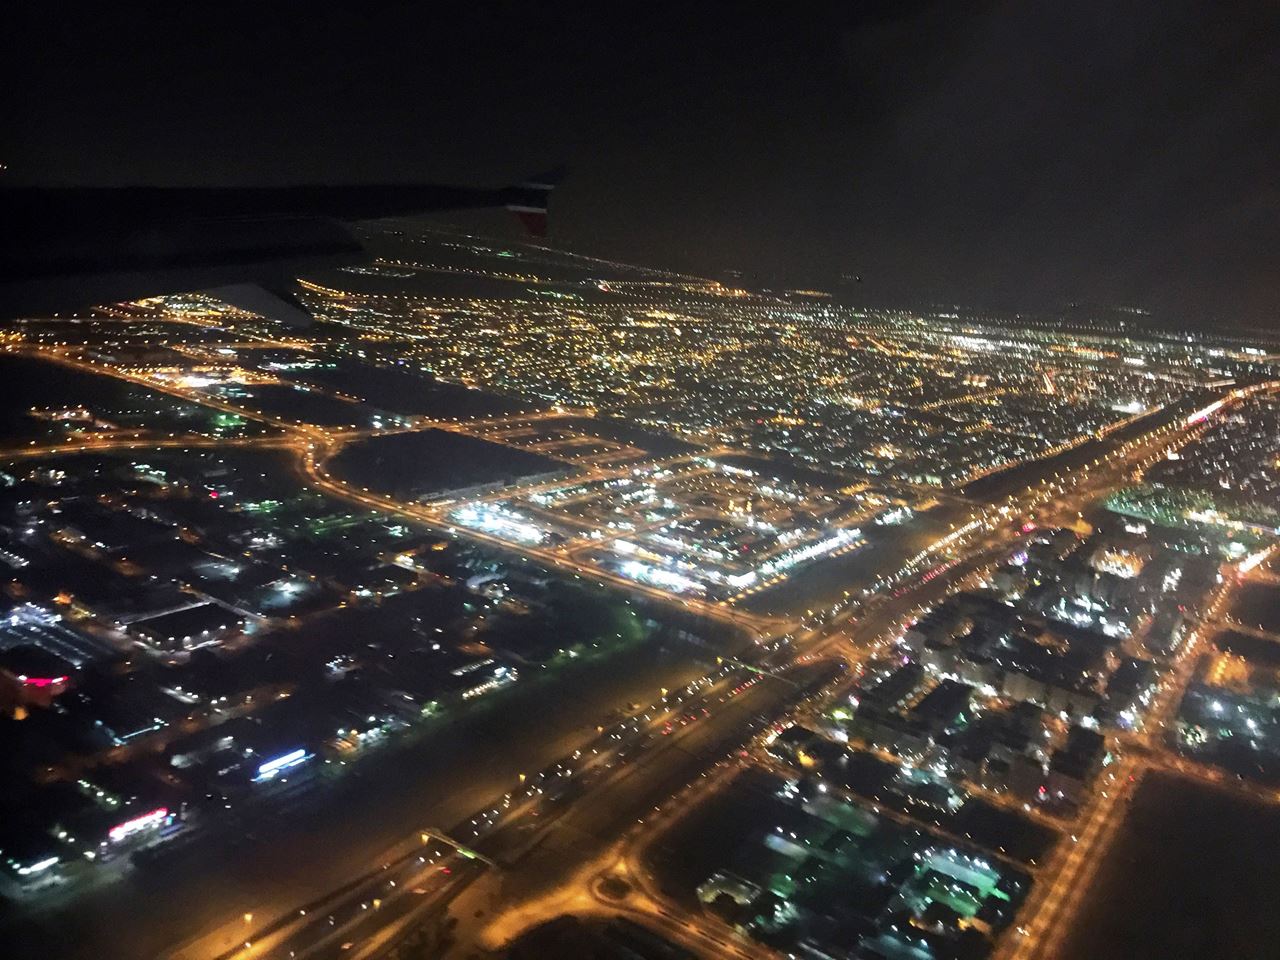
(528, 200)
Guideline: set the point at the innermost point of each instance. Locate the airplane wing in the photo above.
(280, 303)
(529, 200)
(67, 249)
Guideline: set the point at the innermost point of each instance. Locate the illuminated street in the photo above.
(706, 488)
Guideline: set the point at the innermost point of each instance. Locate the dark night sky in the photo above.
(1016, 154)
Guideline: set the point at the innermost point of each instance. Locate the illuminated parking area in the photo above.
(690, 526)
(500, 521)
(270, 769)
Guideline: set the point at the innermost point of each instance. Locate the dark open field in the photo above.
(1192, 875)
(413, 464)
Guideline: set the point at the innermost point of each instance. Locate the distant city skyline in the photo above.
(853, 532)
(531, 580)
(1005, 155)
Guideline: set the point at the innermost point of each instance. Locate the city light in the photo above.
(948, 584)
(273, 768)
(146, 821)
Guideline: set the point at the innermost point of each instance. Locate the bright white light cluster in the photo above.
(273, 768)
(500, 522)
(841, 538)
(667, 579)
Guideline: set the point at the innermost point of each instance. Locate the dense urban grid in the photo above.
(537, 605)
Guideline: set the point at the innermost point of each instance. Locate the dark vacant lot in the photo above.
(1258, 605)
(413, 464)
(407, 391)
(289, 402)
(1192, 874)
(27, 383)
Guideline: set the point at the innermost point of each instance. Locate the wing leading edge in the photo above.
(71, 248)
